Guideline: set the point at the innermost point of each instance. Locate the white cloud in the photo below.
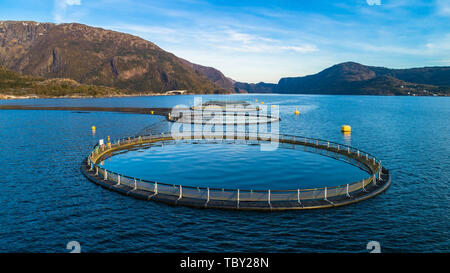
(226, 39)
(389, 49)
(155, 34)
(302, 49)
(231, 40)
(373, 2)
(441, 44)
(60, 9)
(147, 29)
(443, 7)
(73, 2)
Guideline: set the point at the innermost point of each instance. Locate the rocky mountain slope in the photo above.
(100, 57)
(212, 74)
(356, 79)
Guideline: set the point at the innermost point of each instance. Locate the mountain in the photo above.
(352, 78)
(212, 74)
(261, 87)
(357, 79)
(96, 56)
(15, 85)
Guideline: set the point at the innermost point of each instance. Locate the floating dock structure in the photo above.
(131, 110)
(377, 182)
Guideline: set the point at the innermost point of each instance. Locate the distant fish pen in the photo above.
(222, 113)
(221, 119)
(377, 182)
(219, 105)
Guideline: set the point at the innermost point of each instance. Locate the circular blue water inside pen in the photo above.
(234, 166)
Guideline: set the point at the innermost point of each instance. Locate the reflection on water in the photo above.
(347, 138)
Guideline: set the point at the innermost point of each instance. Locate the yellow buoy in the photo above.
(346, 128)
(296, 111)
(273, 106)
(262, 102)
(93, 128)
(152, 112)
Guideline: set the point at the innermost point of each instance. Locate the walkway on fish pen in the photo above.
(377, 182)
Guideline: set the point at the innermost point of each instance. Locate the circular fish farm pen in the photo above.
(377, 181)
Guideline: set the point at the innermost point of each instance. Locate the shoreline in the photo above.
(23, 97)
(5, 97)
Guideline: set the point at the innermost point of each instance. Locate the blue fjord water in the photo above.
(46, 202)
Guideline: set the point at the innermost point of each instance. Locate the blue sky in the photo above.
(263, 40)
